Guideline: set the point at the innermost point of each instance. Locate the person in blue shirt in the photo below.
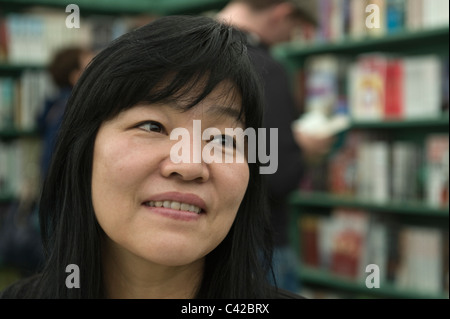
(65, 69)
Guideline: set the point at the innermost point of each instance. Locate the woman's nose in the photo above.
(188, 166)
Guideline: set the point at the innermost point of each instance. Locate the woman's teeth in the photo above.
(174, 205)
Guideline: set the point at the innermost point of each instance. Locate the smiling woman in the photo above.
(135, 223)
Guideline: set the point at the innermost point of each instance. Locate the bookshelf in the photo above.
(327, 280)
(319, 206)
(323, 200)
(158, 7)
(401, 125)
(433, 40)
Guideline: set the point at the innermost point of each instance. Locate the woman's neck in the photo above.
(127, 276)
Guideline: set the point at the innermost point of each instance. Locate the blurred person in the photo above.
(137, 223)
(65, 69)
(267, 23)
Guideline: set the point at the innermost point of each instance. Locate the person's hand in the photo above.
(313, 147)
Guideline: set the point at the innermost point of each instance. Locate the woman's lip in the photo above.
(175, 214)
(186, 198)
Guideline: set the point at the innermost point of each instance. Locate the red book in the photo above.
(394, 90)
(338, 175)
(346, 254)
(309, 240)
(349, 242)
(3, 40)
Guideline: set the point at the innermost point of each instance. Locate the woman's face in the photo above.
(148, 204)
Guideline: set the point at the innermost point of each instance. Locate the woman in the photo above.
(136, 222)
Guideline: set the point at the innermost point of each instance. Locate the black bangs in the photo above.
(174, 58)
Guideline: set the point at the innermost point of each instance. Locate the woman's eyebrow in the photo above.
(214, 110)
(231, 112)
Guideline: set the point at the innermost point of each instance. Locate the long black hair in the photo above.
(161, 61)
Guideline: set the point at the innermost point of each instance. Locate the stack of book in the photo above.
(22, 99)
(384, 87)
(19, 167)
(33, 38)
(409, 257)
(377, 170)
(355, 19)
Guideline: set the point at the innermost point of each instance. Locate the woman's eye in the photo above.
(152, 126)
(224, 140)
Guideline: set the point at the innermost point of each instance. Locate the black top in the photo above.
(26, 288)
(280, 112)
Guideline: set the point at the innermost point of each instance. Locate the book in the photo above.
(379, 184)
(341, 173)
(337, 20)
(394, 105)
(358, 27)
(19, 168)
(435, 13)
(376, 18)
(376, 250)
(367, 92)
(32, 38)
(422, 87)
(405, 165)
(348, 242)
(325, 82)
(445, 86)
(421, 263)
(6, 102)
(343, 166)
(445, 258)
(361, 19)
(326, 230)
(324, 15)
(309, 249)
(437, 166)
(387, 87)
(395, 15)
(3, 40)
(364, 171)
(325, 101)
(414, 14)
(22, 99)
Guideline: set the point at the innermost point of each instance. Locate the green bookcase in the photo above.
(407, 43)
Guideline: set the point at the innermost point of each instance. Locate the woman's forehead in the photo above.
(224, 100)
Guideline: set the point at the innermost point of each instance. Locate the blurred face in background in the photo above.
(281, 24)
(84, 60)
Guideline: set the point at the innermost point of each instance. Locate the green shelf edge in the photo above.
(386, 290)
(5, 198)
(170, 7)
(328, 200)
(402, 124)
(7, 67)
(137, 6)
(294, 50)
(162, 7)
(13, 133)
